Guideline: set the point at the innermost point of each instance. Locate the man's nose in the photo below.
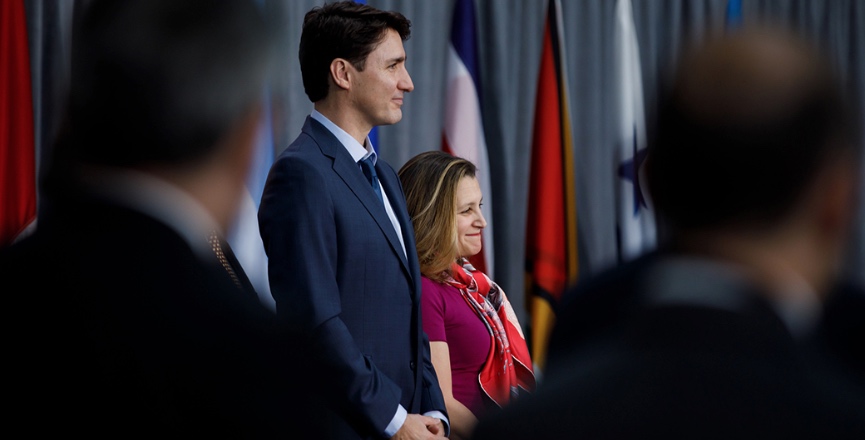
(405, 83)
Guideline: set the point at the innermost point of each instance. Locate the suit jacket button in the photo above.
(412, 365)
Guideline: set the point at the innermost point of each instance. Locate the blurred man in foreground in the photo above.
(753, 173)
(134, 319)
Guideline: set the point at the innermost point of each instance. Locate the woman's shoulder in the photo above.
(429, 285)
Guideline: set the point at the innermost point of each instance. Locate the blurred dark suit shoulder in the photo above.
(123, 325)
(597, 305)
(679, 369)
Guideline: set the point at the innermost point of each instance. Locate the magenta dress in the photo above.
(448, 318)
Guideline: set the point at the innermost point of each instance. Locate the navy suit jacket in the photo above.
(341, 279)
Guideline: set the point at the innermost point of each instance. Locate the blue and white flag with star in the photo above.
(636, 223)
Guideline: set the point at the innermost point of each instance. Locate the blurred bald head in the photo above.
(748, 122)
(750, 78)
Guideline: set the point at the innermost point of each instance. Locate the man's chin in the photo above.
(392, 118)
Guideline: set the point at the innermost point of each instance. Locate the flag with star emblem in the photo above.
(551, 236)
(636, 225)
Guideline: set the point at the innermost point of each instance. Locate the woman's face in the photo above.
(470, 221)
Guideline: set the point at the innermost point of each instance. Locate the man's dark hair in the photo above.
(740, 135)
(162, 81)
(345, 30)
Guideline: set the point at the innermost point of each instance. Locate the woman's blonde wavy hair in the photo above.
(430, 182)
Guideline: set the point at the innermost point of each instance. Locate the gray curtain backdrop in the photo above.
(510, 43)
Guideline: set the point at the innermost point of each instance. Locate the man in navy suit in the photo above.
(342, 260)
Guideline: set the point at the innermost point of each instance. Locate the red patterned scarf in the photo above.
(507, 371)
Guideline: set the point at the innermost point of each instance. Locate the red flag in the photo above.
(17, 150)
(551, 239)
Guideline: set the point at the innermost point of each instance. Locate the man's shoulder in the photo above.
(305, 153)
(314, 144)
(599, 303)
(305, 144)
(615, 286)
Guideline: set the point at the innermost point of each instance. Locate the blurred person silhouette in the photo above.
(476, 342)
(753, 172)
(340, 245)
(135, 318)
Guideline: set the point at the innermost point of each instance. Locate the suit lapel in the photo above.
(390, 183)
(348, 170)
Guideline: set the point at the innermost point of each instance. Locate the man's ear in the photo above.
(340, 70)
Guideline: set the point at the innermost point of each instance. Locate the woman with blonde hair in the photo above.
(477, 346)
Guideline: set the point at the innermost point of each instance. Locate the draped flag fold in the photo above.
(463, 131)
(552, 263)
(17, 137)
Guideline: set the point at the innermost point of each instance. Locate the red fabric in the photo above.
(507, 371)
(17, 152)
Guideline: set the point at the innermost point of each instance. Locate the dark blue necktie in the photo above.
(369, 171)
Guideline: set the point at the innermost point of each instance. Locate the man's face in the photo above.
(378, 92)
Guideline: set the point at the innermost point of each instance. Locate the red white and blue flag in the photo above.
(463, 132)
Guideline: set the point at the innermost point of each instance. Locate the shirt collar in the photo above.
(355, 149)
